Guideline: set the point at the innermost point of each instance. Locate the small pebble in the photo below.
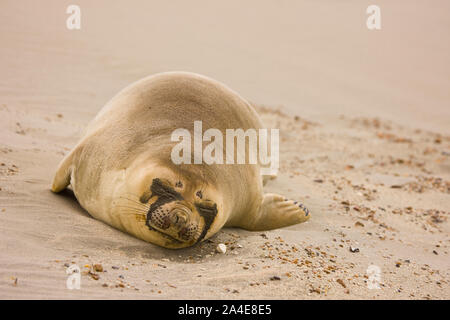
(94, 276)
(341, 282)
(98, 267)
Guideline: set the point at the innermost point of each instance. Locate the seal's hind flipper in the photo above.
(277, 212)
(62, 175)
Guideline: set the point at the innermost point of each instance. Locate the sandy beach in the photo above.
(364, 124)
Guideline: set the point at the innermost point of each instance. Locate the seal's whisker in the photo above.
(128, 206)
(132, 195)
(133, 213)
(134, 210)
(134, 201)
(131, 204)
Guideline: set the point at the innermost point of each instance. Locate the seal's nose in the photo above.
(179, 217)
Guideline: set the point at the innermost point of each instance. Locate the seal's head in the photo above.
(173, 206)
(179, 215)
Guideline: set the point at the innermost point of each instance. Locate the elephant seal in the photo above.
(121, 171)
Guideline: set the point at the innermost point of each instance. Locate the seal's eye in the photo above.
(199, 194)
(179, 184)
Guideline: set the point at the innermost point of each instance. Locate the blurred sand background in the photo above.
(364, 118)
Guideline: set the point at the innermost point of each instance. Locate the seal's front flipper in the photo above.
(62, 175)
(276, 212)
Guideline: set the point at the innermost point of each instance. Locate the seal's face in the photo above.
(175, 221)
(181, 222)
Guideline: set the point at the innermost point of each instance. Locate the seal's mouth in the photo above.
(174, 221)
(165, 235)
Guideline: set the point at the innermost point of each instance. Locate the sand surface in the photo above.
(364, 118)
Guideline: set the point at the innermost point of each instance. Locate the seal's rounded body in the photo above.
(121, 171)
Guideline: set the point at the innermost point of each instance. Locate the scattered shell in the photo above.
(221, 248)
(354, 249)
